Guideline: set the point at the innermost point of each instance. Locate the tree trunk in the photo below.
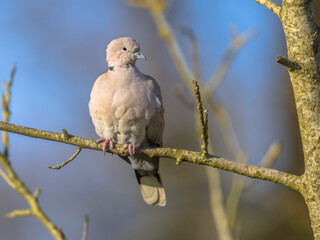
(303, 42)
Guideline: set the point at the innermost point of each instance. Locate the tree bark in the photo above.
(303, 42)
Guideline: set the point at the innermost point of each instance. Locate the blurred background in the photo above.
(59, 48)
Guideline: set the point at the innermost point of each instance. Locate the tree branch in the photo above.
(203, 117)
(12, 179)
(194, 53)
(67, 161)
(178, 92)
(224, 66)
(287, 63)
(85, 228)
(287, 179)
(6, 178)
(165, 32)
(273, 7)
(5, 103)
(267, 161)
(216, 204)
(19, 213)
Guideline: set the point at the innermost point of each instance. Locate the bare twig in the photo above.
(19, 213)
(235, 193)
(217, 207)
(224, 122)
(85, 228)
(272, 154)
(67, 161)
(233, 32)
(5, 103)
(239, 185)
(194, 53)
(267, 161)
(37, 193)
(165, 32)
(273, 7)
(216, 204)
(6, 178)
(168, 37)
(203, 114)
(157, 5)
(289, 65)
(178, 92)
(219, 75)
(10, 176)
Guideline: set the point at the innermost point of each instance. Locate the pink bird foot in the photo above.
(130, 147)
(106, 142)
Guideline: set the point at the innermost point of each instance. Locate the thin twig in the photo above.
(166, 33)
(267, 161)
(235, 193)
(203, 114)
(156, 5)
(85, 228)
(273, 7)
(225, 125)
(216, 204)
(168, 37)
(239, 186)
(19, 213)
(289, 65)
(178, 92)
(224, 66)
(272, 154)
(216, 196)
(37, 193)
(6, 178)
(10, 176)
(194, 53)
(5, 103)
(67, 161)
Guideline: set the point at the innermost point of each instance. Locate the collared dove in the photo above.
(126, 107)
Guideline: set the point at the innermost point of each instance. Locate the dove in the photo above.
(126, 108)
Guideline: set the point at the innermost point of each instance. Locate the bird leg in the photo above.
(106, 142)
(130, 147)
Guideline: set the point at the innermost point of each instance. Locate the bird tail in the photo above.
(151, 189)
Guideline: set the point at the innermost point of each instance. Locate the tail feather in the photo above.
(152, 189)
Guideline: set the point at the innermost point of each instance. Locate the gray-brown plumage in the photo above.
(126, 107)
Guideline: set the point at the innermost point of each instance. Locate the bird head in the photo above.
(123, 51)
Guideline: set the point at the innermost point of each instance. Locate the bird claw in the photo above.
(130, 147)
(106, 142)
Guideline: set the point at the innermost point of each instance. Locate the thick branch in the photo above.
(273, 7)
(248, 170)
(303, 43)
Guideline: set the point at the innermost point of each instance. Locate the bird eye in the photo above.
(124, 49)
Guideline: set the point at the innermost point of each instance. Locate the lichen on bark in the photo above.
(303, 43)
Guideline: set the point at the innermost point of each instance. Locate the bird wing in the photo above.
(155, 126)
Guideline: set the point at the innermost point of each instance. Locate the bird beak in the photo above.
(138, 55)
